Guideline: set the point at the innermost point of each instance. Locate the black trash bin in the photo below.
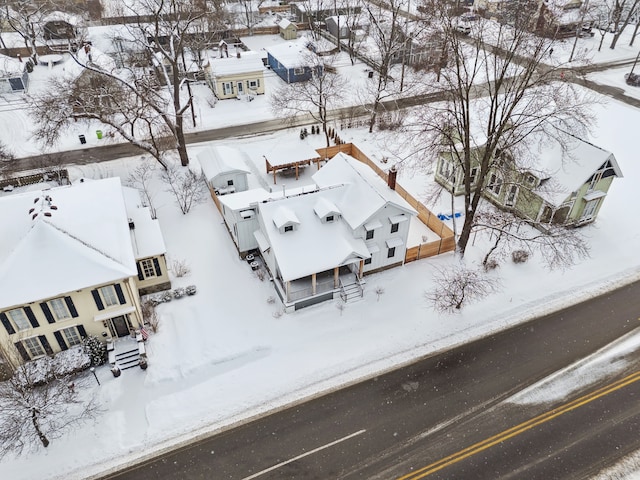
(371, 74)
(82, 138)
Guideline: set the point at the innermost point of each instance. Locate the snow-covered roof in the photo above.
(366, 193)
(89, 56)
(10, 67)
(284, 23)
(312, 246)
(569, 168)
(287, 153)
(248, 62)
(57, 16)
(219, 159)
(146, 236)
(290, 54)
(240, 200)
(82, 242)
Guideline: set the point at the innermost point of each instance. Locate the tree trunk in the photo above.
(34, 420)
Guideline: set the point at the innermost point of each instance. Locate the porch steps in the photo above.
(128, 359)
(351, 292)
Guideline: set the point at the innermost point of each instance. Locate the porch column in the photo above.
(274, 176)
(286, 288)
(297, 170)
(313, 283)
(360, 269)
(336, 277)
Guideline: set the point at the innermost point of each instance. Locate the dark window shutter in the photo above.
(71, 307)
(60, 339)
(156, 264)
(7, 323)
(257, 82)
(140, 275)
(22, 351)
(82, 331)
(47, 312)
(97, 299)
(120, 294)
(45, 344)
(31, 317)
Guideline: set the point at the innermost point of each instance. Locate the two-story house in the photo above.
(73, 261)
(564, 184)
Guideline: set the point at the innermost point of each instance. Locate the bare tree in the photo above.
(39, 405)
(456, 286)
(558, 246)
(188, 187)
(249, 16)
(497, 91)
(23, 16)
(140, 178)
(314, 97)
(623, 12)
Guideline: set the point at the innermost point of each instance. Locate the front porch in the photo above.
(344, 281)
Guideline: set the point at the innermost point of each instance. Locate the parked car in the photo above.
(463, 28)
(632, 79)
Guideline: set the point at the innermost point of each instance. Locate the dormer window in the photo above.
(288, 228)
(329, 218)
(326, 210)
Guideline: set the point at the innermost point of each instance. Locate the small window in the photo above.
(229, 183)
(495, 184)
(394, 227)
(59, 308)
(18, 317)
(473, 175)
(71, 336)
(329, 218)
(33, 346)
(298, 71)
(288, 228)
(109, 296)
(367, 261)
(391, 252)
(370, 234)
(148, 269)
(531, 179)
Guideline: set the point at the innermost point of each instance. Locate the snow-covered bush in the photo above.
(519, 256)
(179, 292)
(191, 290)
(96, 350)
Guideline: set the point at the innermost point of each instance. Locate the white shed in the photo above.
(13, 75)
(225, 169)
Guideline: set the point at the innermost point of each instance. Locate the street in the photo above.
(381, 428)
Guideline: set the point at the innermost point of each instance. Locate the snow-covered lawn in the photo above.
(226, 354)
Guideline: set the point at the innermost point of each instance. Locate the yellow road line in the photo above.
(520, 428)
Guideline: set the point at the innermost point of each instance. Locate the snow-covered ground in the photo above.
(227, 353)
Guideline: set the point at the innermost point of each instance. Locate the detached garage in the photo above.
(13, 75)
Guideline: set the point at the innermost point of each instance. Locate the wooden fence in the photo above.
(447, 241)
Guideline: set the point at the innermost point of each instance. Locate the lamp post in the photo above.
(93, 370)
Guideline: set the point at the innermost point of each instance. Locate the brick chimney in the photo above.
(391, 177)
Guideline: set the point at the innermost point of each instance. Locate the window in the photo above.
(367, 261)
(33, 346)
(394, 227)
(109, 296)
(19, 318)
(369, 234)
(71, 336)
(298, 71)
(329, 218)
(59, 308)
(531, 179)
(254, 84)
(148, 269)
(391, 252)
(473, 175)
(495, 184)
(288, 228)
(594, 180)
(229, 183)
(511, 197)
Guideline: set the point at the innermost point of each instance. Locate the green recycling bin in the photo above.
(99, 134)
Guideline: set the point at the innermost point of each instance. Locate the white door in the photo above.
(240, 88)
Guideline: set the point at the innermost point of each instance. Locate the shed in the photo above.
(13, 75)
(224, 168)
(287, 29)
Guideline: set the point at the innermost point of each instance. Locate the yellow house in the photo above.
(72, 262)
(236, 77)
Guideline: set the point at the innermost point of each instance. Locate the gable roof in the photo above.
(569, 168)
(248, 62)
(291, 54)
(220, 159)
(146, 236)
(84, 242)
(366, 193)
(313, 246)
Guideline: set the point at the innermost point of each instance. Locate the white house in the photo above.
(225, 169)
(318, 241)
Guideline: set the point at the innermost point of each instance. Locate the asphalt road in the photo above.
(380, 428)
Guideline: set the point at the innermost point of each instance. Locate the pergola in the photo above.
(285, 156)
